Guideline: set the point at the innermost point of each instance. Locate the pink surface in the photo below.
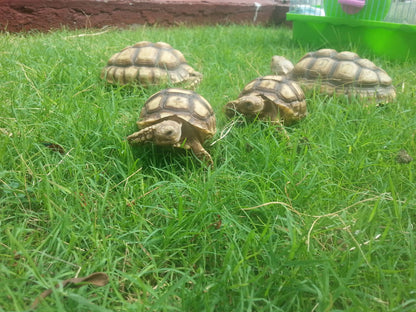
(354, 3)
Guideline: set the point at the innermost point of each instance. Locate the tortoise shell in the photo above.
(186, 105)
(286, 95)
(343, 73)
(147, 63)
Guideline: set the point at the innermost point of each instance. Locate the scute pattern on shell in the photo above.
(179, 103)
(343, 73)
(149, 63)
(280, 89)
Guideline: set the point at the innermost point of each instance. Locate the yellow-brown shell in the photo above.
(343, 73)
(280, 90)
(147, 63)
(175, 103)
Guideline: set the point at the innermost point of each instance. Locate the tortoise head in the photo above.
(281, 66)
(249, 106)
(167, 132)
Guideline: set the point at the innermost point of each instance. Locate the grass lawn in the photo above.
(319, 220)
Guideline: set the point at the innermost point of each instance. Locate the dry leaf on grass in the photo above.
(97, 279)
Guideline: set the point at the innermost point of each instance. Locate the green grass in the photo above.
(320, 220)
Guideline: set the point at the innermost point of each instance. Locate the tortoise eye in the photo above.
(249, 105)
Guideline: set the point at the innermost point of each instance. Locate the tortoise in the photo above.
(147, 63)
(271, 98)
(338, 73)
(179, 118)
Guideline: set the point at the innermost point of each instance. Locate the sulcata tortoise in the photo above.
(147, 63)
(270, 98)
(338, 73)
(179, 118)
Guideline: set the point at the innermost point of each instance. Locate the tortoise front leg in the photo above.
(144, 135)
(200, 152)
